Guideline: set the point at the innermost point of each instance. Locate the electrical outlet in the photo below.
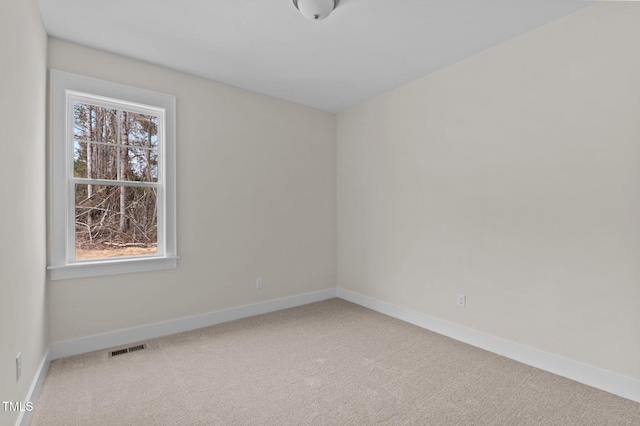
(18, 366)
(259, 282)
(461, 300)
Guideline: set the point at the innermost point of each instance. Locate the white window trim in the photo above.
(62, 263)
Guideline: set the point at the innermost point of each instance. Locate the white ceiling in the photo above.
(364, 48)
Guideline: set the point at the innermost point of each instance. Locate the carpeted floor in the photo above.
(328, 363)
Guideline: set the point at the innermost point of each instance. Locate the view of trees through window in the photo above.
(115, 171)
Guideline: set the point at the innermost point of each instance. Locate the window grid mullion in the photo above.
(107, 182)
(152, 148)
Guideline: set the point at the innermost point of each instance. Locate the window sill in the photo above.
(112, 267)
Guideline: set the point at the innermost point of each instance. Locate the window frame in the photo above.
(64, 88)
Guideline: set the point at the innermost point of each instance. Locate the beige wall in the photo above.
(513, 177)
(23, 328)
(256, 185)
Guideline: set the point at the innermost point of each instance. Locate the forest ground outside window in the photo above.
(112, 178)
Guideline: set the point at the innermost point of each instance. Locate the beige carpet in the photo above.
(328, 363)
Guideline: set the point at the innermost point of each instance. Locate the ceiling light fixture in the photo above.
(315, 9)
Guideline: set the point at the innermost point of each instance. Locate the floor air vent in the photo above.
(127, 350)
(137, 348)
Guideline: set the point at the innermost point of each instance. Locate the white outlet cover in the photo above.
(18, 366)
(461, 300)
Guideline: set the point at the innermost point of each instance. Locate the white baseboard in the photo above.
(137, 334)
(601, 379)
(24, 419)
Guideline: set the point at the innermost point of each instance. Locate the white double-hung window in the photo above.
(112, 178)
